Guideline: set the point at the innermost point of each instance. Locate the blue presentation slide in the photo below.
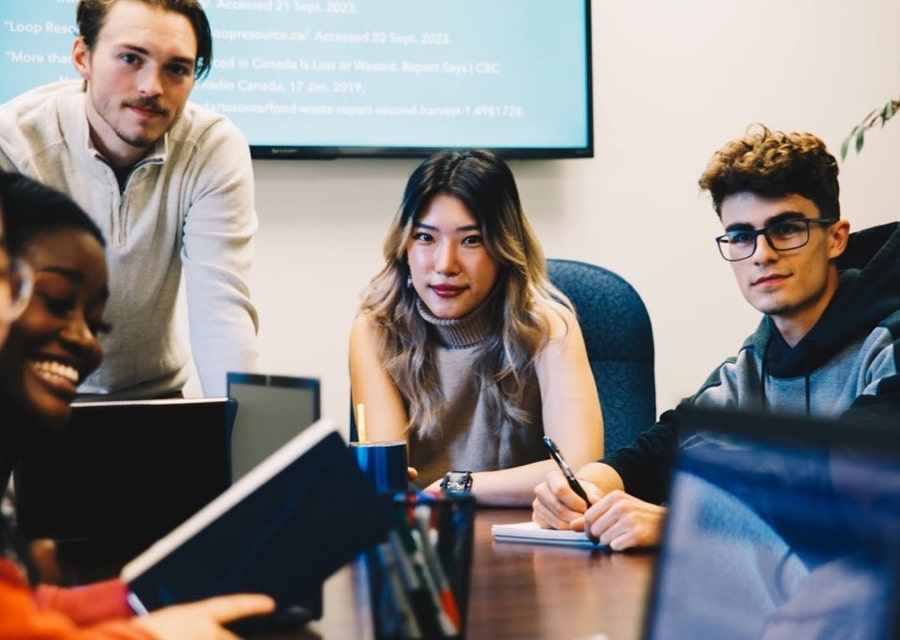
(364, 73)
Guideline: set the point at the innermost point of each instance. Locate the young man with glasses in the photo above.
(827, 345)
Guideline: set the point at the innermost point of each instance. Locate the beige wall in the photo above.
(672, 82)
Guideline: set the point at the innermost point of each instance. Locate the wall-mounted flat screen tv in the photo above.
(367, 78)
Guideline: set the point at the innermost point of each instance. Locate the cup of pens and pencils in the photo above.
(419, 577)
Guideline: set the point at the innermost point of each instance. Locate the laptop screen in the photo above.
(780, 528)
(124, 473)
(271, 410)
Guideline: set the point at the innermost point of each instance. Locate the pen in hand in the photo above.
(570, 478)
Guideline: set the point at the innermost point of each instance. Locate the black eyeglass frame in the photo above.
(722, 240)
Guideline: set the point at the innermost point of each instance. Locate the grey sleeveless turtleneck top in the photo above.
(468, 439)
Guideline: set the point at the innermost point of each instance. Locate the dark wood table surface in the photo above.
(520, 591)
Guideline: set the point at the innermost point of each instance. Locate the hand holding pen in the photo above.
(571, 479)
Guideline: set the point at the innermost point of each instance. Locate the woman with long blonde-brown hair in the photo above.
(462, 346)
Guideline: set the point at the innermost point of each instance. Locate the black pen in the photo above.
(570, 478)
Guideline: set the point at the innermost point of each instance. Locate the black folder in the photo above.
(281, 529)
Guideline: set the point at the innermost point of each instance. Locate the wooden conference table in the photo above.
(519, 591)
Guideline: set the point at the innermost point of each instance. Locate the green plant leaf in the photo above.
(888, 112)
(857, 135)
(844, 146)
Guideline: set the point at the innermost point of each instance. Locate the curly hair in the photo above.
(484, 184)
(773, 164)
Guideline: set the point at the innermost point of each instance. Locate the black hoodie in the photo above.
(845, 366)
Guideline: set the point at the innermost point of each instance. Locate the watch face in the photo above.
(457, 482)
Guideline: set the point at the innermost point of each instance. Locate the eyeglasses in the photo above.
(781, 236)
(17, 276)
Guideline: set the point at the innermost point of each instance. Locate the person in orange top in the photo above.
(52, 344)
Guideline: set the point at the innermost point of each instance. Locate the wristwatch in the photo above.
(457, 483)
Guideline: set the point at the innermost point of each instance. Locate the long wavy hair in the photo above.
(484, 184)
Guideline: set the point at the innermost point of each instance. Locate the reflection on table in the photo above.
(518, 591)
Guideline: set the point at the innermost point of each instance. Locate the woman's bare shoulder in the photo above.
(365, 328)
(559, 318)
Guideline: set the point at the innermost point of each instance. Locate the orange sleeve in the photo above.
(24, 619)
(86, 605)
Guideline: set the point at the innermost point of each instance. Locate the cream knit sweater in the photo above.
(186, 209)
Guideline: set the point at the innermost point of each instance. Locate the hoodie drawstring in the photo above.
(763, 374)
(806, 353)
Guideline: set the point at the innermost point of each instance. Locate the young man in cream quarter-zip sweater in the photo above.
(169, 184)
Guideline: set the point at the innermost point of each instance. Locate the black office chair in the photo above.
(619, 341)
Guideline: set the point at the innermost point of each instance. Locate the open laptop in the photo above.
(270, 411)
(780, 528)
(123, 474)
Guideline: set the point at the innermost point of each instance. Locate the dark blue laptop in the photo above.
(780, 528)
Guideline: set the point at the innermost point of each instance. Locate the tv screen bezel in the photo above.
(323, 152)
(555, 126)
